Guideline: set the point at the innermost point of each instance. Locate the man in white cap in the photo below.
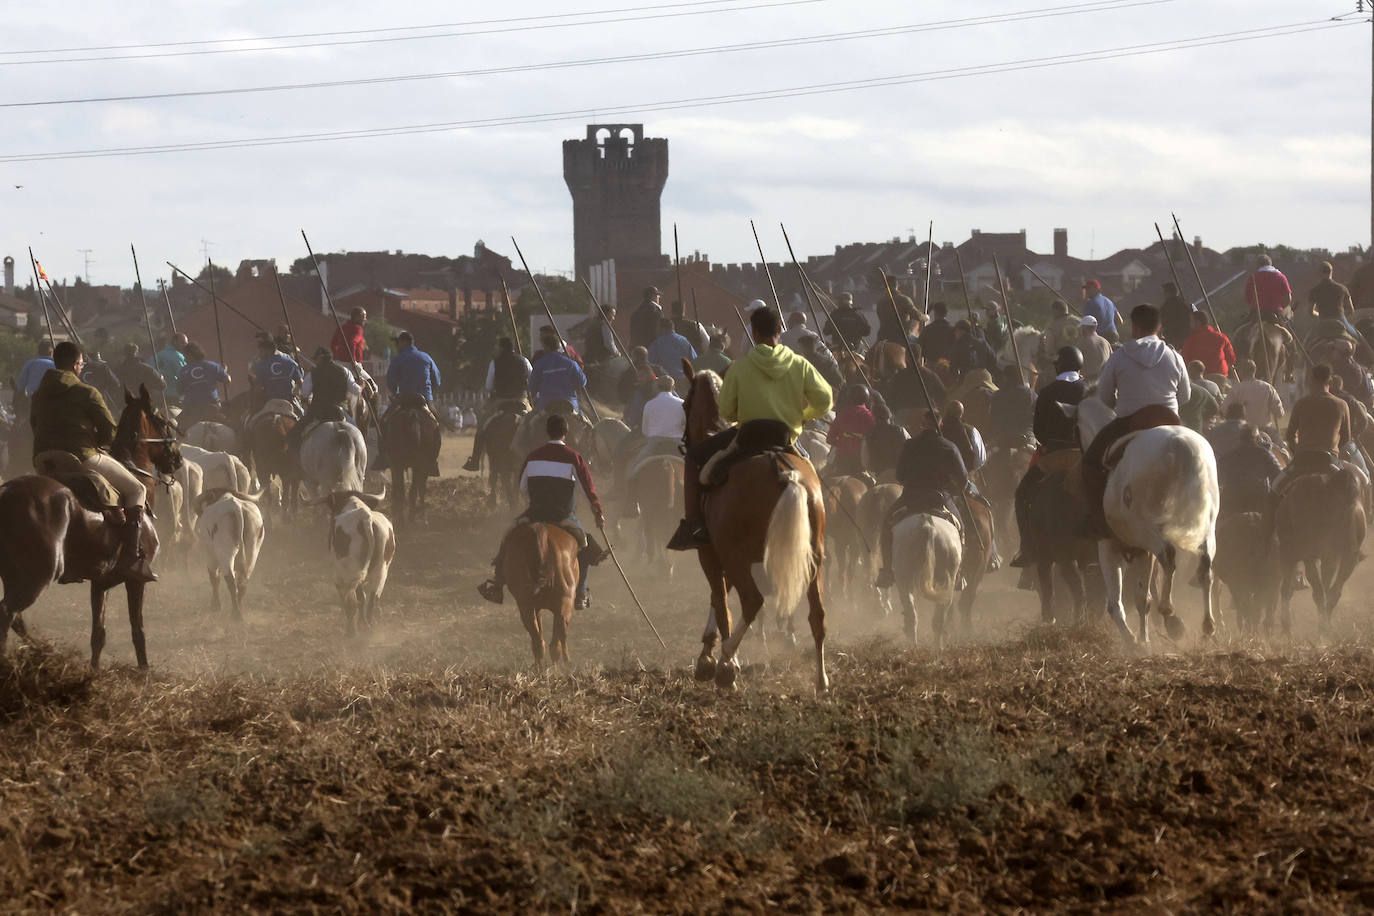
(1095, 348)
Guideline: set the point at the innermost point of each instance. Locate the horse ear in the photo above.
(128, 397)
(143, 394)
(688, 371)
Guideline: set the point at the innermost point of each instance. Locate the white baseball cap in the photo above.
(1088, 322)
(755, 305)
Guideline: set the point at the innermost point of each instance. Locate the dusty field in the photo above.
(278, 766)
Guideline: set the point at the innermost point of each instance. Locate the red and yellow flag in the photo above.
(41, 274)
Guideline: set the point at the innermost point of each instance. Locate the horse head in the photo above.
(1092, 416)
(145, 437)
(700, 404)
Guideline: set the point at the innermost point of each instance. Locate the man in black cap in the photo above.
(644, 320)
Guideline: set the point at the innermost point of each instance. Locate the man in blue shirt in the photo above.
(169, 361)
(199, 382)
(555, 376)
(1101, 308)
(33, 370)
(669, 349)
(412, 378)
(275, 374)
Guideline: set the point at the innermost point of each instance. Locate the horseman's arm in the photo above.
(434, 378)
(728, 402)
(1345, 424)
(818, 394)
(99, 414)
(1106, 383)
(584, 476)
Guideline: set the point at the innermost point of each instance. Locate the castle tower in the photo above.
(616, 176)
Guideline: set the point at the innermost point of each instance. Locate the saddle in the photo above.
(1063, 460)
(411, 402)
(92, 490)
(756, 437)
(926, 502)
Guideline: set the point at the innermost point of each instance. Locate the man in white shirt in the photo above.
(1263, 407)
(663, 425)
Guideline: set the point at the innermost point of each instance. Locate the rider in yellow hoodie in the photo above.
(771, 383)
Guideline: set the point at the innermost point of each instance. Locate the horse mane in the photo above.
(127, 430)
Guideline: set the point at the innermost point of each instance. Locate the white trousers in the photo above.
(130, 488)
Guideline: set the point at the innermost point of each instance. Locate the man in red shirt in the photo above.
(1208, 346)
(846, 435)
(1269, 290)
(351, 346)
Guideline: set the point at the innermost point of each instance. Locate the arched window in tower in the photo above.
(628, 136)
(602, 136)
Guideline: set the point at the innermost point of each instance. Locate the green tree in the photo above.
(15, 350)
(223, 276)
(565, 298)
(379, 333)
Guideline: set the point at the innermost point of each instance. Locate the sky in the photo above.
(1251, 141)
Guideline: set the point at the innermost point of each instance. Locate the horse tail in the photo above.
(1182, 503)
(788, 559)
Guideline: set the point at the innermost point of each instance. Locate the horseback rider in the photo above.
(1175, 316)
(169, 361)
(508, 378)
(932, 474)
(274, 376)
(133, 372)
(1267, 291)
(330, 387)
(771, 384)
(1056, 431)
(1146, 382)
(692, 330)
(555, 376)
(715, 359)
(846, 435)
(550, 477)
(663, 423)
(98, 373)
(937, 338)
(71, 416)
(1246, 471)
(1011, 412)
(1318, 429)
(1063, 329)
(669, 349)
(848, 323)
(1263, 406)
(412, 377)
(34, 369)
(644, 319)
(349, 343)
(199, 382)
(1208, 346)
(883, 443)
(1330, 301)
(598, 340)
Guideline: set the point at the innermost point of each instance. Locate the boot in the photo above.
(494, 590)
(592, 554)
(689, 536)
(474, 463)
(133, 563)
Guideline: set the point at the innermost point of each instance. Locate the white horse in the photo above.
(1161, 499)
(333, 458)
(926, 555)
(1027, 347)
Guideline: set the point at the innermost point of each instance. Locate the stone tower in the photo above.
(616, 176)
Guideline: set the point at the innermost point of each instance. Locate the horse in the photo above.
(503, 459)
(977, 551)
(539, 565)
(769, 512)
(333, 458)
(657, 486)
(1272, 351)
(926, 557)
(409, 440)
(270, 455)
(1320, 522)
(213, 437)
(872, 511)
(850, 547)
(1161, 499)
(1247, 562)
(1055, 510)
(1028, 341)
(1001, 475)
(46, 535)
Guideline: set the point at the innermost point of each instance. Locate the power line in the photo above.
(826, 38)
(1035, 63)
(771, 4)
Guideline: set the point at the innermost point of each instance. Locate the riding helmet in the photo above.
(1068, 359)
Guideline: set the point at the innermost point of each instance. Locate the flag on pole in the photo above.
(41, 274)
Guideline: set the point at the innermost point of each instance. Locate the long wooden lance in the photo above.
(219, 337)
(42, 300)
(171, 318)
(801, 277)
(1011, 328)
(148, 323)
(777, 303)
(930, 260)
(610, 548)
(57, 304)
(286, 317)
(806, 289)
(370, 396)
(1207, 300)
(200, 286)
(563, 344)
(602, 312)
(677, 268)
(963, 285)
(1057, 295)
(744, 324)
(510, 312)
(925, 390)
(1165, 246)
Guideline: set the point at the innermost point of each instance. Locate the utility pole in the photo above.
(205, 247)
(86, 252)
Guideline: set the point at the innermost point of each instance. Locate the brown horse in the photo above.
(46, 535)
(850, 547)
(270, 456)
(1320, 522)
(1001, 474)
(769, 512)
(1273, 352)
(539, 565)
(409, 441)
(503, 460)
(657, 487)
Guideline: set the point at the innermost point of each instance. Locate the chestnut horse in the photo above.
(539, 565)
(46, 535)
(769, 512)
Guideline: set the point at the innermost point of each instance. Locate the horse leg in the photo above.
(133, 593)
(346, 597)
(968, 595)
(1288, 584)
(907, 599)
(97, 623)
(1113, 565)
(718, 618)
(1078, 596)
(529, 616)
(1337, 587)
(1173, 627)
(1044, 571)
(214, 589)
(1318, 586)
(1205, 579)
(817, 620)
(398, 493)
(751, 601)
(1143, 580)
(561, 618)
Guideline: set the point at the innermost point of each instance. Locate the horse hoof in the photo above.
(706, 669)
(725, 675)
(1175, 629)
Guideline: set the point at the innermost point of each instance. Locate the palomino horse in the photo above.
(409, 440)
(769, 512)
(271, 456)
(926, 556)
(1320, 522)
(47, 536)
(1161, 499)
(1272, 352)
(539, 565)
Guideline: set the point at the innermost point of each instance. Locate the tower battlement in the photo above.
(616, 177)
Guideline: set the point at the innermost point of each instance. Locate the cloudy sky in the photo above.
(1262, 140)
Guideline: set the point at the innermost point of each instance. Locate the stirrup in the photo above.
(474, 463)
(1021, 561)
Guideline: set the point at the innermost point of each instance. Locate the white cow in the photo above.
(1161, 499)
(230, 531)
(926, 555)
(221, 470)
(363, 544)
(212, 436)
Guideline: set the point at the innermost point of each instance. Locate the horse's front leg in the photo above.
(717, 618)
(751, 601)
(97, 623)
(817, 620)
